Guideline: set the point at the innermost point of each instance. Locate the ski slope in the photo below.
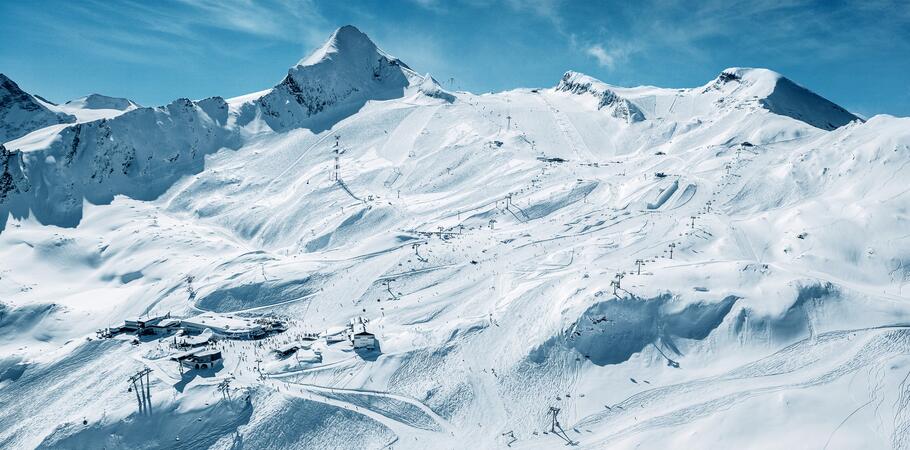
(511, 251)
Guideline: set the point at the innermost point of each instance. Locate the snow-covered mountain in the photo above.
(139, 153)
(715, 267)
(98, 101)
(734, 87)
(22, 113)
(340, 77)
(96, 106)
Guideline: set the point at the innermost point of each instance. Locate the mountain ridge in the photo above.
(21, 113)
(99, 101)
(583, 265)
(332, 83)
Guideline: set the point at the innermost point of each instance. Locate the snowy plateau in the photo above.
(360, 258)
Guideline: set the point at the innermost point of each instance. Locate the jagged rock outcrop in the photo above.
(139, 154)
(619, 107)
(431, 88)
(12, 181)
(21, 113)
(346, 72)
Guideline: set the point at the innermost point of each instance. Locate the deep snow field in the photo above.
(481, 235)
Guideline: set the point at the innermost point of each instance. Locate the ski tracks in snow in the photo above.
(401, 414)
(568, 129)
(798, 366)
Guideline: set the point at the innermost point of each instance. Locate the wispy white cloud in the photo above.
(184, 27)
(628, 40)
(609, 54)
(604, 59)
(431, 5)
(283, 20)
(783, 29)
(551, 10)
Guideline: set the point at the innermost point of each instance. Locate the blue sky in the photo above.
(855, 53)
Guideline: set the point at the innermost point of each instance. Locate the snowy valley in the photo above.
(371, 260)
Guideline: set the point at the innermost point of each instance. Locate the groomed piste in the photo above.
(363, 257)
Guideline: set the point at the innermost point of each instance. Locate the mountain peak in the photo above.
(99, 101)
(21, 113)
(347, 41)
(782, 96)
(347, 71)
(607, 98)
(735, 85)
(757, 78)
(350, 33)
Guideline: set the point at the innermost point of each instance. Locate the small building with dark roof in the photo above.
(363, 340)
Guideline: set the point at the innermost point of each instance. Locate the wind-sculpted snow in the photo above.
(611, 331)
(791, 100)
(431, 88)
(782, 96)
(795, 321)
(255, 294)
(23, 320)
(557, 202)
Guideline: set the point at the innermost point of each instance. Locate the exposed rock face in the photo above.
(12, 181)
(619, 107)
(21, 113)
(733, 87)
(347, 71)
(139, 154)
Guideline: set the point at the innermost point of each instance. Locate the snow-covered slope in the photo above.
(606, 97)
(733, 88)
(700, 268)
(98, 101)
(139, 153)
(782, 96)
(97, 106)
(22, 113)
(342, 75)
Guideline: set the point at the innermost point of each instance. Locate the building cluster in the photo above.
(289, 349)
(222, 326)
(355, 333)
(194, 335)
